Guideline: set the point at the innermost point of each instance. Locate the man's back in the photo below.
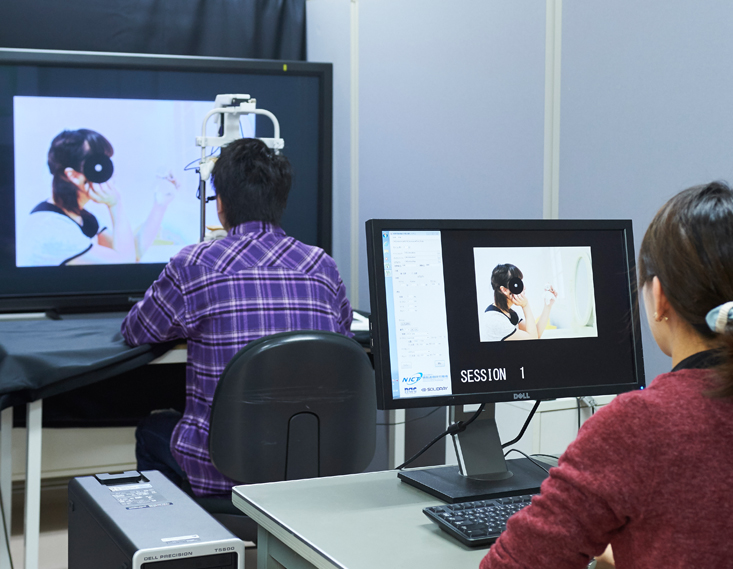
(221, 295)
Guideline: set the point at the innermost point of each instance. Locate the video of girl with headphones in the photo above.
(532, 293)
(107, 181)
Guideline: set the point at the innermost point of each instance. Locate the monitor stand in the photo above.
(482, 472)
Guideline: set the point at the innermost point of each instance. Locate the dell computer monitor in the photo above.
(144, 114)
(467, 312)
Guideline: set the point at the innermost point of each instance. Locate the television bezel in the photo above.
(121, 300)
(379, 321)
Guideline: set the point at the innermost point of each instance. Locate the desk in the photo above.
(360, 521)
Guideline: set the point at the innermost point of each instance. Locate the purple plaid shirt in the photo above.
(220, 295)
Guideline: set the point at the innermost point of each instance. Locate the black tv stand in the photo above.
(448, 484)
(482, 471)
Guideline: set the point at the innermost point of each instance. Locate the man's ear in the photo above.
(220, 212)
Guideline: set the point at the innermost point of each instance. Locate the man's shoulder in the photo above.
(265, 252)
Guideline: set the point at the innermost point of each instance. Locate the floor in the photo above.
(53, 552)
(54, 526)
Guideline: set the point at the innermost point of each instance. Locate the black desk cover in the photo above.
(40, 358)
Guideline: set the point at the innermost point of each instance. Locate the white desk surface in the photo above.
(361, 521)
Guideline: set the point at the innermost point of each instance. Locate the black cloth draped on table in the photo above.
(44, 358)
(261, 29)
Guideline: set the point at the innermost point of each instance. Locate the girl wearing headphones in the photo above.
(60, 231)
(501, 321)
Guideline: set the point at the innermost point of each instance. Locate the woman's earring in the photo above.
(656, 317)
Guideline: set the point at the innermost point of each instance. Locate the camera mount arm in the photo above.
(228, 109)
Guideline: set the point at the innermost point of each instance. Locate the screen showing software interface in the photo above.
(120, 191)
(478, 311)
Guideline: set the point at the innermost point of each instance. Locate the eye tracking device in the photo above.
(515, 285)
(98, 168)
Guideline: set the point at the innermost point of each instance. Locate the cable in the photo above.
(589, 402)
(410, 420)
(528, 458)
(547, 455)
(190, 166)
(454, 429)
(526, 424)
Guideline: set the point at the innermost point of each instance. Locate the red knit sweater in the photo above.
(651, 473)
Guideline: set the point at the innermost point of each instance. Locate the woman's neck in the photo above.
(73, 215)
(686, 342)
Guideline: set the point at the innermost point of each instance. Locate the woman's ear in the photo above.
(74, 176)
(505, 291)
(660, 301)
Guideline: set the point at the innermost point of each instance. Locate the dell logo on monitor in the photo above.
(521, 396)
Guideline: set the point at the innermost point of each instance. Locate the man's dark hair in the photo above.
(500, 278)
(68, 150)
(252, 181)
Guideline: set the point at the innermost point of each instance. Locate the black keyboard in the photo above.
(477, 523)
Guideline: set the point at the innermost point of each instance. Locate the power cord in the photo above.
(525, 455)
(589, 402)
(454, 429)
(524, 427)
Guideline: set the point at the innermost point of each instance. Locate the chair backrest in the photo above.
(294, 405)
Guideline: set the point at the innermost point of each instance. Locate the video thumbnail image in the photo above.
(532, 293)
(105, 181)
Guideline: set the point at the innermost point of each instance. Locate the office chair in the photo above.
(293, 405)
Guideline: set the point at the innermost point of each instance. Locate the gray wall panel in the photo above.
(646, 110)
(451, 111)
(329, 40)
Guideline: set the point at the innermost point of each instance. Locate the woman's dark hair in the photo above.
(252, 181)
(500, 277)
(689, 248)
(68, 150)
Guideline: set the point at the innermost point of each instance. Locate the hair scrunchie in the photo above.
(718, 317)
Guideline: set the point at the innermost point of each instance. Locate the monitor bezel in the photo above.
(118, 300)
(378, 323)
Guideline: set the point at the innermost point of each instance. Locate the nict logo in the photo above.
(411, 380)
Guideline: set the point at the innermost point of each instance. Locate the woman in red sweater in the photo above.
(651, 474)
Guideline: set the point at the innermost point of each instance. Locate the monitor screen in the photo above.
(144, 114)
(488, 311)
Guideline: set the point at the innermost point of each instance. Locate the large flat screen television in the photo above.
(61, 111)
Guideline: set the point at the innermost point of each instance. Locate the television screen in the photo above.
(126, 126)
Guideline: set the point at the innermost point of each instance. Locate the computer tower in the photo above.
(141, 520)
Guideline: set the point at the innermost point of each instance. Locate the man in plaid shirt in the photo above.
(220, 295)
